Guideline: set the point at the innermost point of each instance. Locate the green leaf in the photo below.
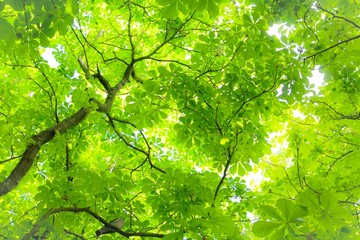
(241, 170)
(212, 8)
(270, 211)
(285, 206)
(44, 40)
(6, 30)
(46, 23)
(328, 200)
(201, 5)
(263, 229)
(62, 28)
(72, 7)
(297, 212)
(278, 234)
(16, 5)
(49, 32)
(171, 10)
(345, 230)
(170, 236)
(151, 86)
(309, 199)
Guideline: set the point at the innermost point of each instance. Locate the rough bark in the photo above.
(45, 136)
(33, 149)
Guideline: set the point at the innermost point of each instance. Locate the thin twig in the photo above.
(254, 97)
(331, 47)
(74, 234)
(307, 26)
(339, 17)
(146, 153)
(297, 160)
(335, 161)
(317, 192)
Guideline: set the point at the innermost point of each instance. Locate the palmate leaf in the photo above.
(171, 10)
(330, 205)
(290, 211)
(286, 213)
(297, 212)
(328, 201)
(6, 31)
(212, 8)
(270, 211)
(263, 229)
(309, 199)
(278, 234)
(220, 224)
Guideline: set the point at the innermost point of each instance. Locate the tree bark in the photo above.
(33, 149)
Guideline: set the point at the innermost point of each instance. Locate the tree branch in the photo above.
(46, 135)
(93, 214)
(256, 96)
(104, 82)
(227, 64)
(336, 160)
(53, 92)
(12, 157)
(146, 153)
(225, 172)
(342, 116)
(74, 234)
(312, 189)
(172, 61)
(297, 160)
(331, 47)
(307, 26)
(129, 32)
(339, 17)
(286, 173)
(33, 149)
(173, 36)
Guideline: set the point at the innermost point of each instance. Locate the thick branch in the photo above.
(104, 82)
(136, 78)
(33, 149)
(111, 94)
(45, 136)
(93, 214)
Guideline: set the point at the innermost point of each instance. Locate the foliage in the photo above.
(160, 112)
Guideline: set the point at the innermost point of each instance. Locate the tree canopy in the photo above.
(189, 119)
